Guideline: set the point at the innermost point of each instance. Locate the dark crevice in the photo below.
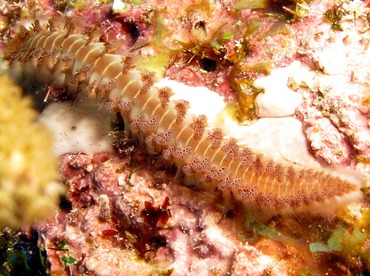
(208, 64)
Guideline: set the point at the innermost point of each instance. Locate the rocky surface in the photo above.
(130, 213)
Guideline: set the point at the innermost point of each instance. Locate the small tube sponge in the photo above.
(29, 187)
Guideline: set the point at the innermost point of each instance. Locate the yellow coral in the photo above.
(29, 187)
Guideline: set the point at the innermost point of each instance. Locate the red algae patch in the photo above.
(113, 210)
(120, 211)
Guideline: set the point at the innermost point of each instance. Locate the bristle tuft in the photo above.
(36, 26)
(181, 106)
(176, 151)
(148, 79)
(164, 95)
(197, 165)
(139, 124)
(231, 148)
(216, 137)
(127, 62)
(105, 87)
(198, 125)
(162, 139)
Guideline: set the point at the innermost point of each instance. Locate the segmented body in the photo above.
(80, 63)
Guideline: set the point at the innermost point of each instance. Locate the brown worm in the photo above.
(77, 61)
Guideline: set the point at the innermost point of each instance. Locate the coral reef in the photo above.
(130, 207)
(29, 187)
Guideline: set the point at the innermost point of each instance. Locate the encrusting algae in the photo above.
(29, 187)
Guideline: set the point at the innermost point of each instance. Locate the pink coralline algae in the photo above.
(181, 232)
